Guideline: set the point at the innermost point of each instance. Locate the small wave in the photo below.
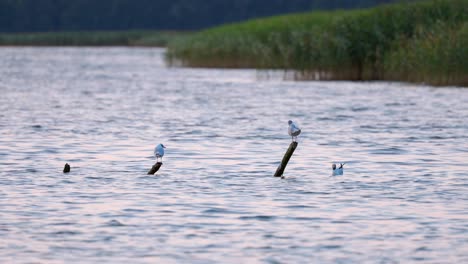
(330, 247)
(167, 211)
(258, 217)
(343, 117)
(340, 222)
(276, 236)
(388, 151)
(299, 206)
(367, 127)
(393, 104)
(114, 222)
(419, 249)
(311, 192)
(63, 224)
(65, 233)
(99, 178)
(216, 211)
(305, 218)
(360, 109)
(437, 137)
(68, 182)
(134, 210)
(188, 236)
(70, 202)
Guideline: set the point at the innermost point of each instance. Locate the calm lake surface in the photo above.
(403, 197)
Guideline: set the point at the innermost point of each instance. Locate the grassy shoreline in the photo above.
(417, 42)
(139, 38)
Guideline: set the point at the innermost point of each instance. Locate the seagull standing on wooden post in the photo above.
(293, 130)
(159, 151)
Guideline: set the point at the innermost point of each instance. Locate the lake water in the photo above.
(403, 197)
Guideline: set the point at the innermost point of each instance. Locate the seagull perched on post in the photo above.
(293, 130)
(338, 171)
(159, 151)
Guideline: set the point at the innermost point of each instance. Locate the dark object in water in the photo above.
(66, 169)
(285, 160)
(155, 168)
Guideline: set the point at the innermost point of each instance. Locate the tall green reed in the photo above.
(343, 45)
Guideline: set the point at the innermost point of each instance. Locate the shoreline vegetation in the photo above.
(423, 42)
(138, 38)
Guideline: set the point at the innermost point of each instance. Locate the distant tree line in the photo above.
(73, 15)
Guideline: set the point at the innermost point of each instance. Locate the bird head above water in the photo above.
(289, 122)
(162, 145)
(334, 166)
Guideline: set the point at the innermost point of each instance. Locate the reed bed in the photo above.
(419, 42)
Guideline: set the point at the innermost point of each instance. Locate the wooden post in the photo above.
(155, 168)
(66, 169)
(284, 162)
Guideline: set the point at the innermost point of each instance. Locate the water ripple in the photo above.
(402, 199)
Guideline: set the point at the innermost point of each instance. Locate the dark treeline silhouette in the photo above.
(72, 15)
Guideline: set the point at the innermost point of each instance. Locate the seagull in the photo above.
(293, 130)
(159, 151)
(338, 171)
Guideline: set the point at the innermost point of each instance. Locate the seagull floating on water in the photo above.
(338, 171)
(159, 151)
(293, 130)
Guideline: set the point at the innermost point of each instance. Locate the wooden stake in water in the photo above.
(155, 168)
(66, 169)
(284, 162)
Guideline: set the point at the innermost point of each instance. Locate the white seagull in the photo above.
(159, 151)
(338, 171)
(293, 130)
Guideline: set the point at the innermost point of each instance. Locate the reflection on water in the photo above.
(403, 198)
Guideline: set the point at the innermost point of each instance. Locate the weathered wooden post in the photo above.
(287, 156)
(66, 169)
(155, 168)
